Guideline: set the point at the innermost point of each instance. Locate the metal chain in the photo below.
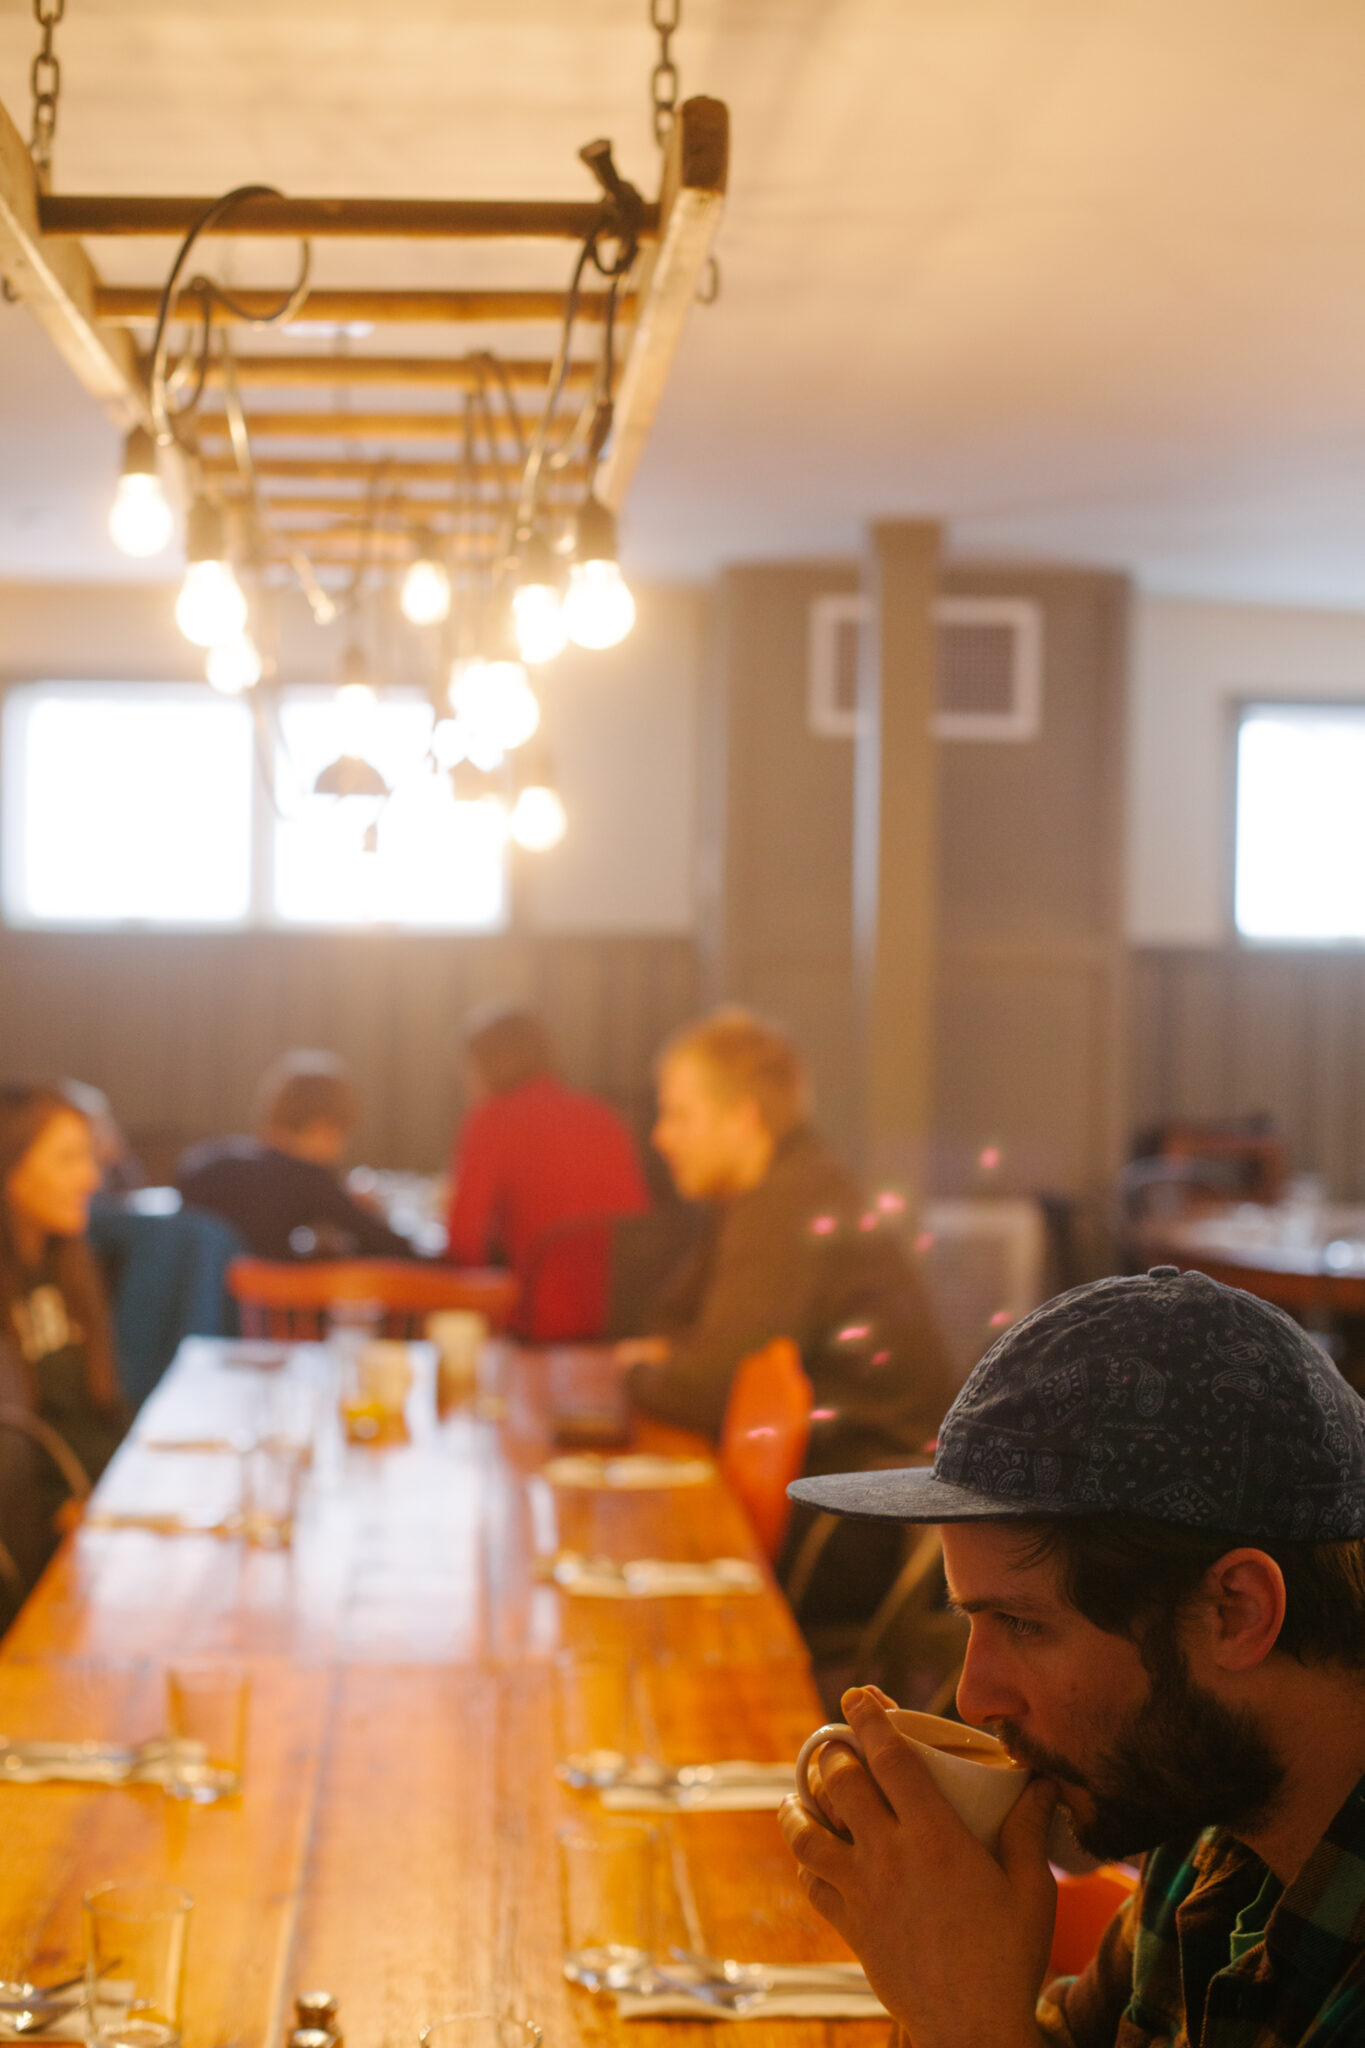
(664, 16)
(46, 80)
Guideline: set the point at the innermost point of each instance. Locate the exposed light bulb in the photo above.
(539, 820)
(538, 620)
(494, 703)
(425, 596)
(140, 520)
(599, 610)
(210, 609)
(234, 666)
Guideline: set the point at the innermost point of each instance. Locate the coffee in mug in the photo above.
(975, 1773)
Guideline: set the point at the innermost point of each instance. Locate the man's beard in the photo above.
(1182, 1762)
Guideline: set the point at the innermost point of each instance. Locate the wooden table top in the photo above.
(395, 1836)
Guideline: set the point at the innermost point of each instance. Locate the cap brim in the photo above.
(911, 1494)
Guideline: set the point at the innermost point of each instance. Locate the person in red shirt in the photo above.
(532, 1160)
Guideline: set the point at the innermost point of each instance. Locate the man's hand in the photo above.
(954, 1941)
(642, 1351)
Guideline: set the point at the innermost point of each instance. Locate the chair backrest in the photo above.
(290, 1300)
(565, 1284)
(764, 1436)
(1085, 1906)
(984, 1261)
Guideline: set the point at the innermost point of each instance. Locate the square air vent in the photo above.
(990, 668)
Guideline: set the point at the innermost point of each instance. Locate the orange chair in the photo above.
(1085, 1906)
(280, 1298)
(764, 1436)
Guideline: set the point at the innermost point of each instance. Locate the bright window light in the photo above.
(1300, 863)
(435, 863)
(127, 803)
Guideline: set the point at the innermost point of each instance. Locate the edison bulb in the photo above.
(210, 609)
(234, 666)
(425, 597)
(494, 702)
(599, 610)
(140, 520)
(538, 620)
(539, 820)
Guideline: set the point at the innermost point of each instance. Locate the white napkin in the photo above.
(794, 1991)
(157, 1524)
(637, 1469)
(647, 1578)
(735, 1788)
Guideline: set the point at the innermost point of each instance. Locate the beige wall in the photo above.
(1191, 663)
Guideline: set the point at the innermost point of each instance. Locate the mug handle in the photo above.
(833, 1731)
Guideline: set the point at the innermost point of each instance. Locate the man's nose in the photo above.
(984, 1692)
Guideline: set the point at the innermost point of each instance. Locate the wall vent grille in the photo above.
(990, 667)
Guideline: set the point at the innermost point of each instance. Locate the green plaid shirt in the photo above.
(1164, 1979)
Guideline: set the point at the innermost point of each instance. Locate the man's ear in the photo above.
(1241, 1610)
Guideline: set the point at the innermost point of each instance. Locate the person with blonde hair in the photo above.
(791, 1248)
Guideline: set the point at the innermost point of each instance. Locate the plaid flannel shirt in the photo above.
(1163, 1978)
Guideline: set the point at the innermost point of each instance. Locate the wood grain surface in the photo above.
(395, 1838)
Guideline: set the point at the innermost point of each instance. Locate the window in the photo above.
(435, 862)
(126, 804)
(1300, 853)
(143, 803)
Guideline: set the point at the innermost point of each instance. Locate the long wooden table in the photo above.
(394, 1840)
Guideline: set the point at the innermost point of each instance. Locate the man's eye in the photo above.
(1016, 1624)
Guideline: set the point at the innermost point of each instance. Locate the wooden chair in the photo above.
(764, 1436)
(288, 1300)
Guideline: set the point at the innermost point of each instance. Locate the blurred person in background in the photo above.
(56, 1350)
(282, 1190)
(120, 1168)
(792, 1248)
(538, 1175)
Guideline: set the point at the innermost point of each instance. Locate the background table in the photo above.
(395, 1837)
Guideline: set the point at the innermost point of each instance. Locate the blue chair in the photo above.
(166, 1274)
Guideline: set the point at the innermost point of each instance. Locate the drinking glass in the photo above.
(271, 1474)
(480, 2030)
(135, 1964)
(596, 1724)
(206, 1716)
(607, 1877)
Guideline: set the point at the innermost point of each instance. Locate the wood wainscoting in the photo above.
(177, 1027)
(1238, 1030)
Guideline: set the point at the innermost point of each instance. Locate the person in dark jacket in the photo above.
(282, 1190)
(791, 1249)
(57, 1368)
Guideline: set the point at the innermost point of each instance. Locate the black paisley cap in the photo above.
(1163, 1394)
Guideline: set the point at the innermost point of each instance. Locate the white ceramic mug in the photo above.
(974, 1772)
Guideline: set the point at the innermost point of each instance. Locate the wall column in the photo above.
(895, 836)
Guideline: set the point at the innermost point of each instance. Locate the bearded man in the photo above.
(1152, 1500)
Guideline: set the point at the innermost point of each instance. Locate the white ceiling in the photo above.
(1084, 277)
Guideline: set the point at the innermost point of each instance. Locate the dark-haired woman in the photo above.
(56, 1350)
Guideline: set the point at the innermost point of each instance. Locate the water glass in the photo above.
(272, 1472)
(596, 1723)
(459, 1335)
(135, 1964)
(480, 2030)
(206, 1718)
(607, 1878)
